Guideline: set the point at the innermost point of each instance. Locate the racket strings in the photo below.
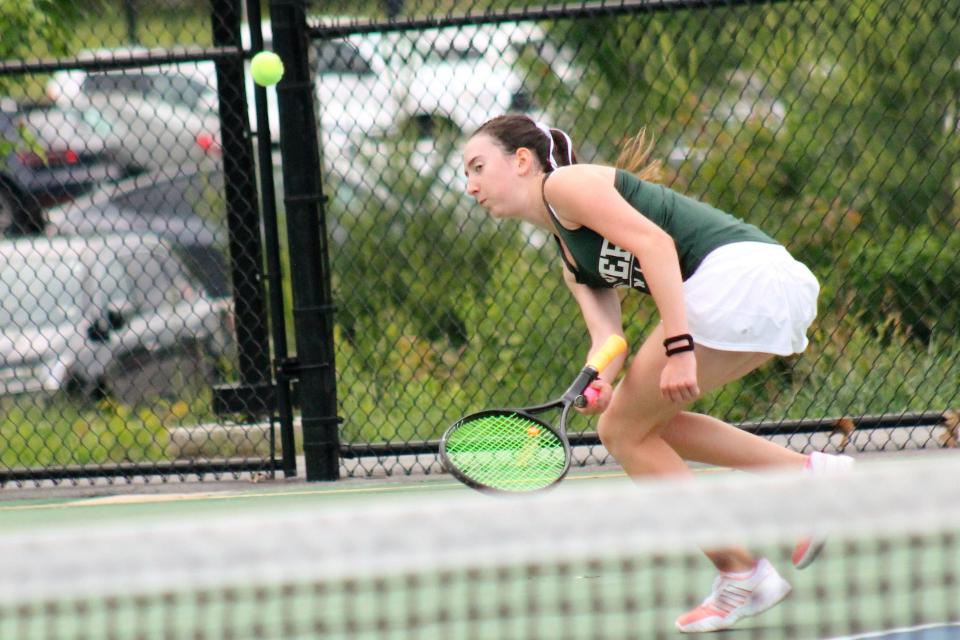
(507, 451)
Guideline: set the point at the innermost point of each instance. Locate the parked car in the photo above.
(177, 101)
(353, 88)
(465, 75)
(187, 209)
(115, 315)
(152, 117)
(371, 84)
(152, 135)
(46, 156)
(184, 84)
(435, 85)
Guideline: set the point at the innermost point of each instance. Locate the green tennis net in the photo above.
(600, 559)
(507, 451)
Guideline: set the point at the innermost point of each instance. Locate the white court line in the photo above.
(889, 632)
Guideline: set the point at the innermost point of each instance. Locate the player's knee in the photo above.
(617, 435)
(611, 437)
(607, 432)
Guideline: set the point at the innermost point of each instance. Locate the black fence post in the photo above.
(306, 230)
(274, 273)
(130, 12)
(243, 219)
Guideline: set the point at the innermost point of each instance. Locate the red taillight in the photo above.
(208, 143)
(70, 157)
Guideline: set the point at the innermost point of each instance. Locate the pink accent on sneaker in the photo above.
(702, 612)
(736, 596)
(800, 555)
(818, 465)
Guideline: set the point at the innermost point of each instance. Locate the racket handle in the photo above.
(613, 347)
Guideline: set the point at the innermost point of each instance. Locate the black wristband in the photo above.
(686, 338)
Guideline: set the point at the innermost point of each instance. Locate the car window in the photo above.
(208, 265)
(163, 198)
(176, 89)
(178, 276)
(49, 291)
(116, 82)
(198, 194)
(153, 286)
(341, 57)
(454, 53)
(96, 120)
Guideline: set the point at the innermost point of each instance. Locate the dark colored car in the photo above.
(47, 156)
(188, 210)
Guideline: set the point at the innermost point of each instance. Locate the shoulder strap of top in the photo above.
(556, 222)
(543, 194)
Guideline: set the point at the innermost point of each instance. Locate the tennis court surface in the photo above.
(599, 557)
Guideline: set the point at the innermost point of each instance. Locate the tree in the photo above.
(32, 28)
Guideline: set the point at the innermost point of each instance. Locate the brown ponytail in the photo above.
(635, 157)
(514, 131)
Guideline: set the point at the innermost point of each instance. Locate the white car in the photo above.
(436, 85)
(112, 314)
(151, 118)
(459, 75)
(468, 74)
(186, 84)
(153, 135)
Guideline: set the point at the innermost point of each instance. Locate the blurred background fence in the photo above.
(201, 277)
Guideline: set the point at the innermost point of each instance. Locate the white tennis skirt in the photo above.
(751, 296)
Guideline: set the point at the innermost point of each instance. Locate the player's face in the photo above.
(491, 172)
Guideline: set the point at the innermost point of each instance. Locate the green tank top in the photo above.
(696, 228)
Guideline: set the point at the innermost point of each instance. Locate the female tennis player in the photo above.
(730, 298)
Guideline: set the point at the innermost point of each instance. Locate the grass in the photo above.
(45, 432)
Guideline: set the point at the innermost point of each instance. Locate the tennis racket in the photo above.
(512, 450)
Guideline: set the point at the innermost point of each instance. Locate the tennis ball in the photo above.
(266, 68)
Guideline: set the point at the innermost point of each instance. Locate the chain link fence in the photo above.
(833, 127)
(130, 276)
(152, 281)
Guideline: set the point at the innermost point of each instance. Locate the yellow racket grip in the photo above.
(613, 347)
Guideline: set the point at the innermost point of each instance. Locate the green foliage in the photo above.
(27, 23)
(32, 29)
(907, 284)
(63, 433)
(851, 102)
(401, 386)
(421, 258)
(55, 431)
(847, 371)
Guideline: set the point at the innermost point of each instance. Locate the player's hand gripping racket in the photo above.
(510, 450)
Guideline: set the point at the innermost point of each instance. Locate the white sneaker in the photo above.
(736, 596)
(819, 464)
